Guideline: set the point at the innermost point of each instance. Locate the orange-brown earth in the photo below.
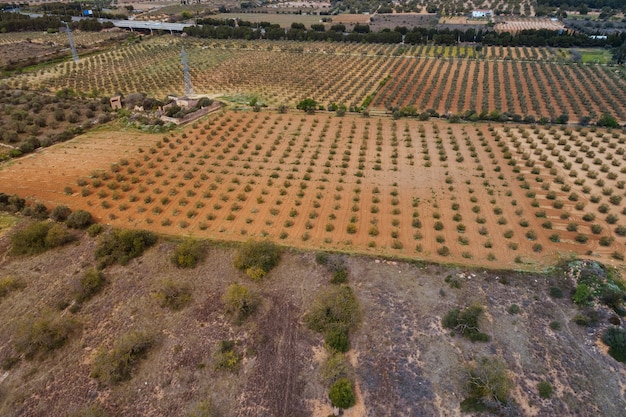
(287, 72)
(374, 185)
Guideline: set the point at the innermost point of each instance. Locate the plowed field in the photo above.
(475, 194)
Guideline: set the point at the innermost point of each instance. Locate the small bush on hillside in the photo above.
(341, 393)
(337, 266)
(465, 322)
(615, 338)
(38, 237)
(95, 229)
(89, 285)
(257, 258)
(227, 358)
(11, 203)
(488, 386)
(240, 302)
(60, 213)
(173, 295)
(545, 389)
(453, 281)
(336, 306)
(10, 284)
(335, 367)
(80, 219)
(188, 253)
(513, 309)
(583, 295)
(58, 235)
(120, 246)
(36, 211)
(41, 336)
(556, 292)
(30, 240)
(339, 277)
(337, 337)
(116, 365)
(321, 258)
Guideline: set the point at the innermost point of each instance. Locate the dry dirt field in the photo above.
(514, 25)
(477, 194)
(404, 363)
(34, 47)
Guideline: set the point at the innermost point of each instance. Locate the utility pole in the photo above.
(186, 76)
(69, 35)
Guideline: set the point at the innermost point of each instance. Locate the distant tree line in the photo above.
(16, 22)
(361, 33)
(591, 4)
(75, 9)
(545, 37)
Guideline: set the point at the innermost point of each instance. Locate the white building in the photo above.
(482, 13)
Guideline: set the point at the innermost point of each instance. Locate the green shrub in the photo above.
(581, 320)
(257, 258)
(341, 393)
(40, 336)
(227, 358)
(173, 295)
(611, 295)
(240, 302)
(120, 246)
(583, 294)
(188, 253)
(80, 219)
(545, 389)
(58, 235)
(615, 338)
(335, 367)
(116, 365)
(10, 284)
(488, 383)
(95, 229)
(556, 292)
(321, 258)
(60, 213)
(339, 277)
(89, 285)
(465, 322)
(443, 251)
(513, 309)
(335, 306)
(31, 239)
(337, 337)
(36, 211)
(11, 203)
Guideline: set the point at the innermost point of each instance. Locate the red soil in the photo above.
(304, 179)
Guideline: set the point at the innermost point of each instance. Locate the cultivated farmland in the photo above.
(475, 193)
(521, 81)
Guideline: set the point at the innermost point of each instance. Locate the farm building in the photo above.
(482, 13)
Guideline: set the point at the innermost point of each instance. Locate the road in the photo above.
(134, 24)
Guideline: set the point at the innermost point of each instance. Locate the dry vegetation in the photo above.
(125, 352)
